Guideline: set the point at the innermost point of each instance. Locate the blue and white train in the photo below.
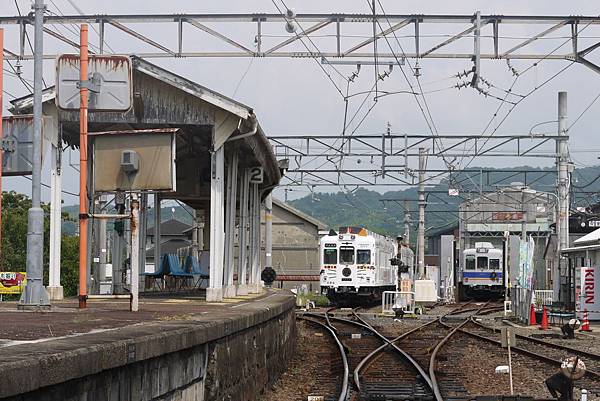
(482, 272)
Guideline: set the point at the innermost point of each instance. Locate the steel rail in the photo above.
(366, 360)
(596, 357)
(386, 341)
(342, 349)
(575, 351)
(589, 373)
(429, 380)
(328, 321)
(432, 359)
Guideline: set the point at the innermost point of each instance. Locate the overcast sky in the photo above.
(293, 96)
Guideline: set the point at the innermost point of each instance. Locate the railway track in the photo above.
(544, 351)
(396, 375)
(415, 364)
(334, 384)
(401, 367)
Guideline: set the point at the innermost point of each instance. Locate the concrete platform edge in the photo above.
(28, 367)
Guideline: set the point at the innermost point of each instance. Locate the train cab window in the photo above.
(494, 264)
(482, 262)
(470, 262)
(347, 255)
(363, 256)
(330, 256)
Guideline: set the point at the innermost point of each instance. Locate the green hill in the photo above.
(366, 208)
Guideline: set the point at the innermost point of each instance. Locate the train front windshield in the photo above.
(363, 257)
(330, 256)
(347, 255)
(473, 262)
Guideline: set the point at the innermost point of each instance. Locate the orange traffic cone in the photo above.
(585, 326)
(544, 325)
(532, 321)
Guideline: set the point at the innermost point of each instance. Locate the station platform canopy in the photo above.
(206, 120)
(219, 147)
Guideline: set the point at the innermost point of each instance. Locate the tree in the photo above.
(13, 256)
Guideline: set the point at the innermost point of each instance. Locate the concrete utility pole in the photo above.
(102, 252)
(523, 218)
(135, 252)
(406, 223)
(55, 290)
(118, 242)
(35, 294)
(421, 231)
(84, 249)
(157, 221)
(269, 231)
(562, 161)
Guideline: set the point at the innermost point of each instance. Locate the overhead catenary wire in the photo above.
(48, 186)
(24, 81)
(313, 56)
(535, 64)
(28, 40)
(584, 111)
(80, 11)
(428, 117)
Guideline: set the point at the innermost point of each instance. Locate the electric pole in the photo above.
(34, 294)
(562, 161)
(269, 231)
(406, 223)
(421, 230)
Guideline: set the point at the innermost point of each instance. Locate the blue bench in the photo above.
(157, 278)
(177, 278)
(199, 272)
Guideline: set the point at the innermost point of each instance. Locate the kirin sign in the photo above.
(12, 282)
(589, 294)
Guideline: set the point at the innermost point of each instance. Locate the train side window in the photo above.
(347, 255)
(363, 256)
(330, 256)
(482, 262)
(495, 264)
(470, 262)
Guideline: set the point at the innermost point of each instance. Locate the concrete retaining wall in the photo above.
(238, 365)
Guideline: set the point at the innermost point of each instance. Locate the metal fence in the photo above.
(521, 299)
(542, 298)
(404, 300)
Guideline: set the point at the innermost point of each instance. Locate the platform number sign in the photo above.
(256, 175)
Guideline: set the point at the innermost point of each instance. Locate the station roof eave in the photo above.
(163, 99)
(588, 239)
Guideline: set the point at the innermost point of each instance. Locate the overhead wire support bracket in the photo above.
(477, 51)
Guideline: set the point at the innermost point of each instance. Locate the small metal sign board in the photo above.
(17, 144)
(356, 336)
(507, 337)
(109, 83)
(256, 175)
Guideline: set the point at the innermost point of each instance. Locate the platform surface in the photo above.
(103, 335)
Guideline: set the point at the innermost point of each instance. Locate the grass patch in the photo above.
(318, 299)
